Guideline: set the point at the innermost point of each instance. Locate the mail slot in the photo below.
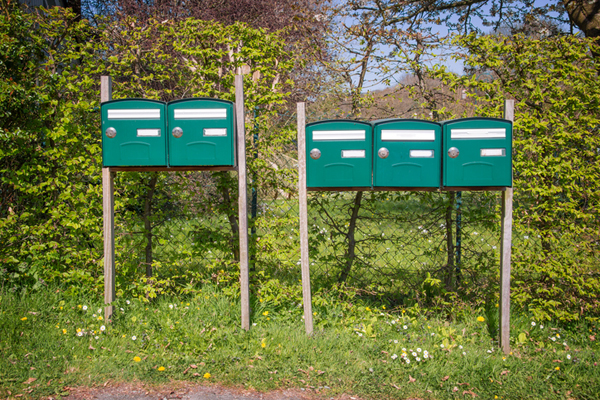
(134, 133)
(477, 152)
(338, 154)
(407, 153)
(201, 132)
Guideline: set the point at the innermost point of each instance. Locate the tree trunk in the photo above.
(148, 223)
(350, 254)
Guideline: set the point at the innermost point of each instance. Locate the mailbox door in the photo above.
(345, 149)
(139, 128)
(407, 153)
(477, 152)
(206, 135)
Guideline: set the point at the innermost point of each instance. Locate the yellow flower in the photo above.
(383, 307)
(557, 368)
(137, 359)
(123, 335)
(266, 313)
(315, 313)
(64, 331)
(161, 369)
(263, 343)
(24, 319)
(207, 375)
(79, 306)
(480, 319)
(100, 318)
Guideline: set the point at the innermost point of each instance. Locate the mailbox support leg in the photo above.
(505, 251)
(302, 197)
(242, 201)
(108, 211)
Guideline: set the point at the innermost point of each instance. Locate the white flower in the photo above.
(122, 309)
(254, 324)
(417, 359)
(564, 343)
(99, 311)
(526, 237)
(407, 361)
(405, 327)
(568, 356)
(464, 353)
(395, 341)
(79, 333)
(102, 328)
(404, 349)
(171, 306)
(553, 339)
(414, 354)
(84, 308)
(460, 347)
(96, 337)
(442, 345)
(93, 315)
(393, 322)
(127, 301)
(489, 351)
(425, 355)
(359, 334)
(432, 334)
(532, 323)
(133, 338)
(541, 326)
(418, 349)
(394, 356)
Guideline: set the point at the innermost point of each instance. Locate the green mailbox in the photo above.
(133, 133)
(201, 132)
(339, 154)
(407, 153)
(477, 152)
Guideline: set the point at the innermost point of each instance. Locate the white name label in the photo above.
(495, 133)
(148, 132)
(134, 114)
(353, 153)
(493, 152)
(408, 135)
(215, 132)
(338, 135)
(421, 153)
(200, 113)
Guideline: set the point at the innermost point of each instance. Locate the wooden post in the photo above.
(108, 210)
(302, 197)
(505, 250)
(243, 201)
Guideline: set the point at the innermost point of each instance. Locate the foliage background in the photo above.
(178, 232)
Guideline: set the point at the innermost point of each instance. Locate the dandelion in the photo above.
(532, 323)
(84, 308)
(161, 369)
(557, 368)
(79, 306)
(102, 328)
(368, 309)
(265, 313)
(480, 319)
(133, 338)
(558, 336)
(207, 375)
(64, 331)
(394, 356)
(137, 359)
(24, 319)
(100, 318)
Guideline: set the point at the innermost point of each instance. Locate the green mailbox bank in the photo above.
(407, 153)
(201, 132)
(339, 154)
(477, 153)
(133, 133)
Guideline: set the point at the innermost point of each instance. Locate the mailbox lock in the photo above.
(111, 133)
(383, 153)
(177, 132)
(315, 154)
(453, 152)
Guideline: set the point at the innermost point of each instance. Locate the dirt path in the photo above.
(188, 391)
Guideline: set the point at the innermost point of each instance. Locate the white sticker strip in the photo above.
(151, 113)
(408, 134)
(201, 113)
(353, 153)
(493, 152)
(215, 132)
(338, 135)
(478, 133)
(148, 132)
(421, 154)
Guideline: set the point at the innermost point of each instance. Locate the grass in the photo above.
(50, 341)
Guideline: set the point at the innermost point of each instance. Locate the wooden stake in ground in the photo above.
(243, 201)
(108, 211)
(302, 196)
(505, 250)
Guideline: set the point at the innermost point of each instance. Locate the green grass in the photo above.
(356, 349)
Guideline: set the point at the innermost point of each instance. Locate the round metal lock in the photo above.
(453, 152)
(315, 154)
(111, 133)
(177, 132)
(383, 153)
